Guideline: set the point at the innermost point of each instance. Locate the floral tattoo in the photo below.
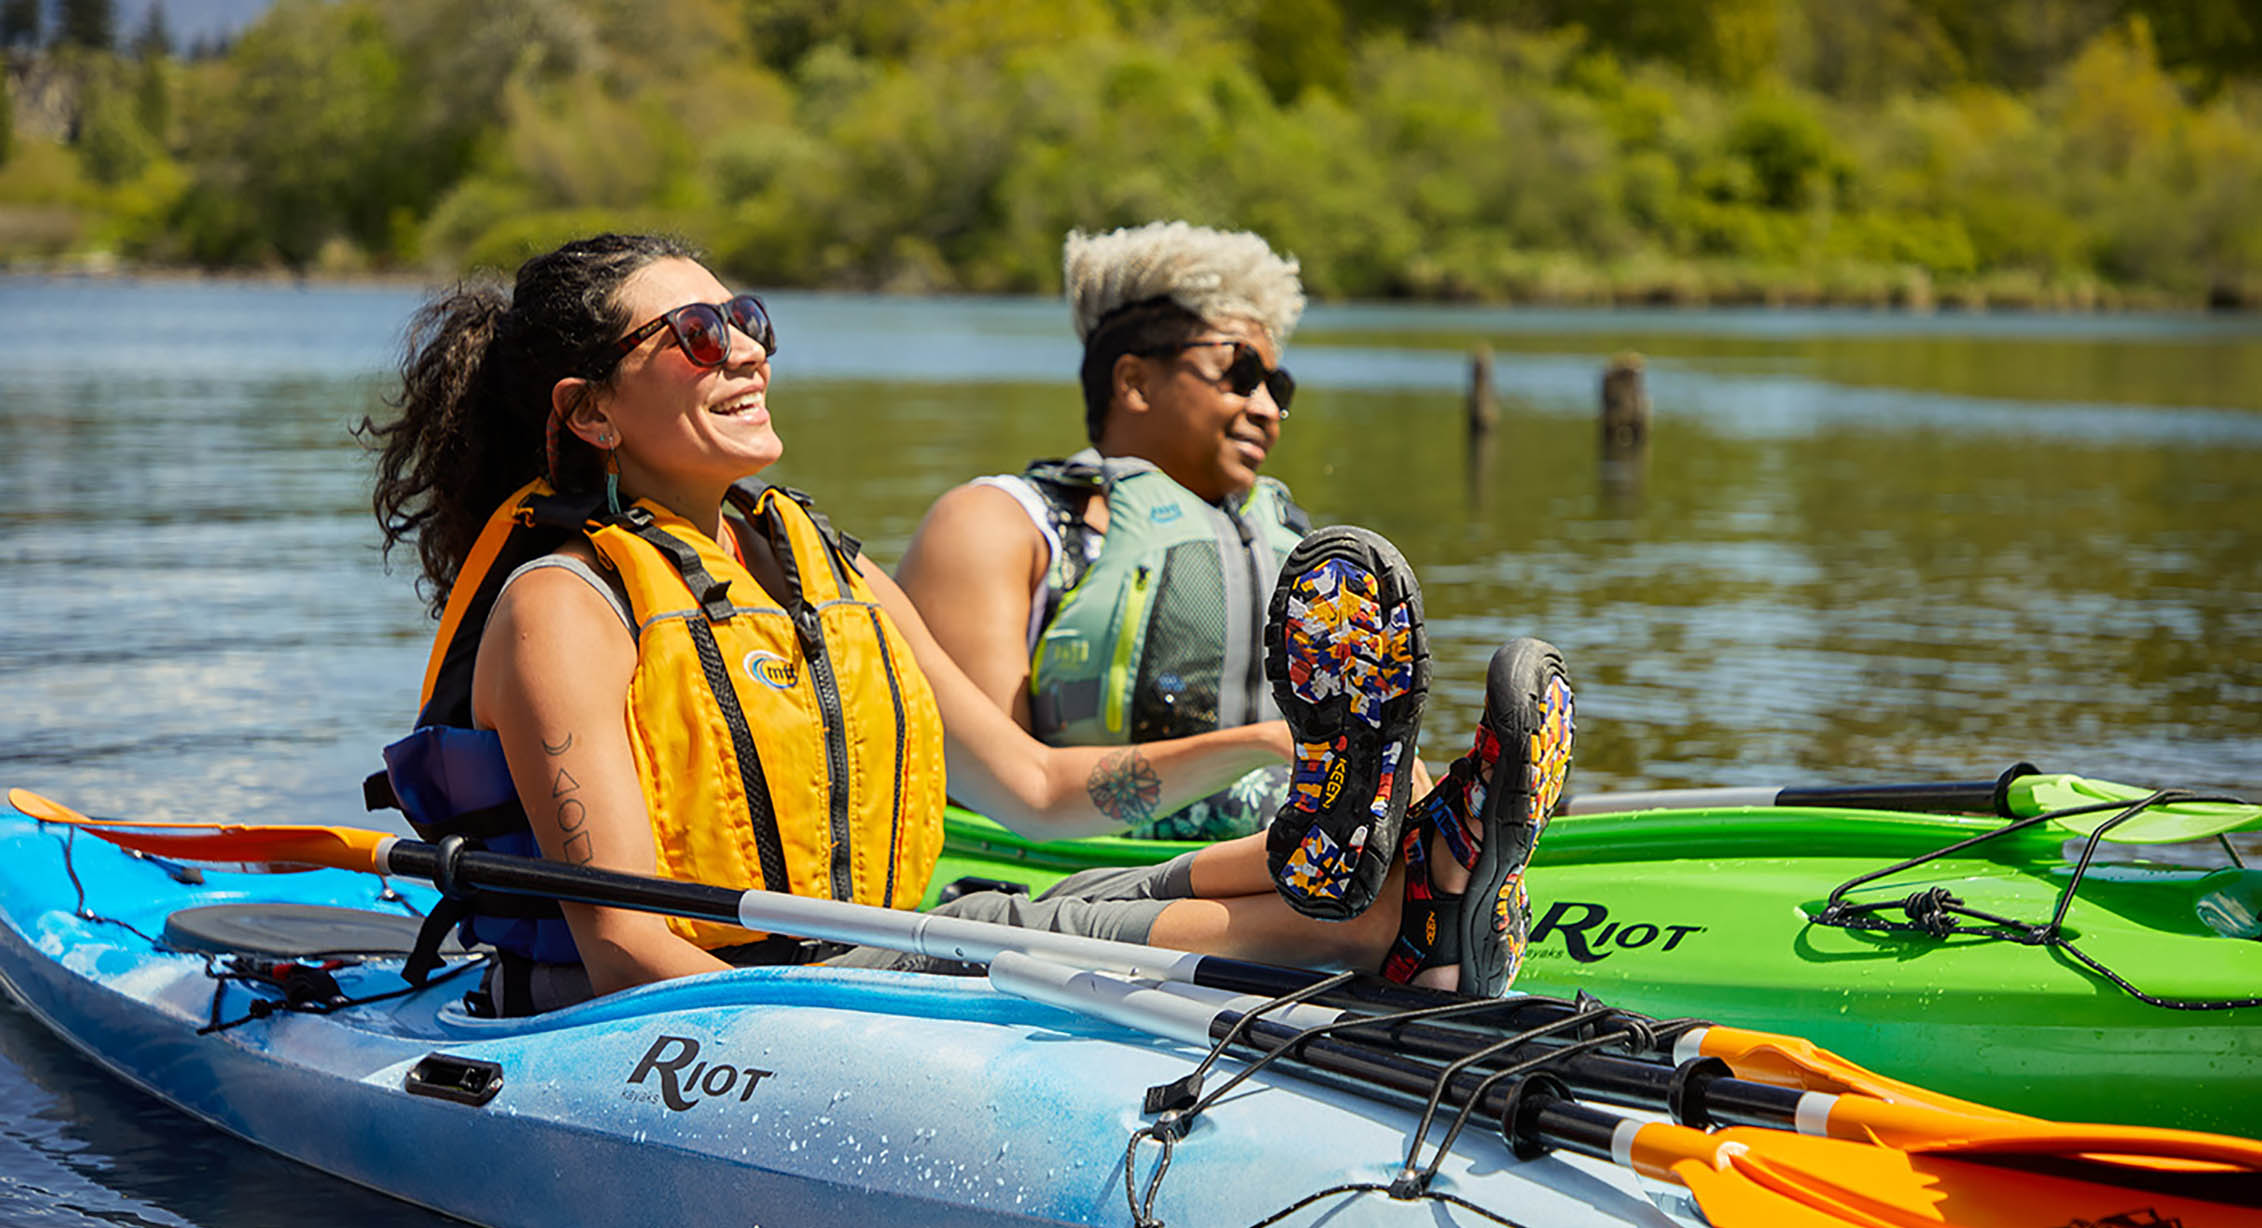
(1124, 787)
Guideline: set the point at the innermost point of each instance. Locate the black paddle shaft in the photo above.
(1533, 1112)
(1701, 1092)
(1498, 1016)
(457, 869)
(1946, 797)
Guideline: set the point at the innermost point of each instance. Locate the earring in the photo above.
(612, 479)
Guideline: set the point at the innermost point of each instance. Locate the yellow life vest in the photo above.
(789, 746)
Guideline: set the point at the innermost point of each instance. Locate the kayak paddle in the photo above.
(2020, 792)
(1700, 1092)
(1985, 1172)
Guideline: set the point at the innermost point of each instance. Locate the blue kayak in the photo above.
(785, 1096)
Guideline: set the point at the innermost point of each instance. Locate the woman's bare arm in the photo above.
(972, 569)
(552, 681)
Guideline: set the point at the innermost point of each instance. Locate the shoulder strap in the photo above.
(1066, 486)
(527, 526)
(746, 496)
(712, 595)
(1293, 516)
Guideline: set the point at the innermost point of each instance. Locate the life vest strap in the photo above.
(714, 599)
(712, 595)
(844, 547)
(1073, 701)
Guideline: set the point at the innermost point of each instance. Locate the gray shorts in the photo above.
(1118, 904)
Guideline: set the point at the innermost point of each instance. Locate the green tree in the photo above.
(298, 142)
(7, 121)
(92, 24)
(19, 23)
(112, 145)
(1789, 149)
(2019, 44)
(155, 38)
(2215, 40)
(1298, 45)
(153, 97)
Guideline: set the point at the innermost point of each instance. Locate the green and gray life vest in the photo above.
(1155, 629)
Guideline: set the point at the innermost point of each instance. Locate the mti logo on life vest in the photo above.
(768, 668)
(681, 1088)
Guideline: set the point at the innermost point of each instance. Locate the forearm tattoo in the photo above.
(572, 814)
(1124, 787)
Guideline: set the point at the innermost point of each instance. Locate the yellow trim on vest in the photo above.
(1132, 623)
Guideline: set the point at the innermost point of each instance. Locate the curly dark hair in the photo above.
(474, 400)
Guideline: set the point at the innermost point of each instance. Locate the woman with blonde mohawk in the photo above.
(1020, 575)
(1156, 587)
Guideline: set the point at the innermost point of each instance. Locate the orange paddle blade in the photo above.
(1768, 1179)
(1851, 1183)
(251, 847)
(1788, 1061)
(1918, 1127)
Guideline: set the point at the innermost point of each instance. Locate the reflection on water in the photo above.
(80, 1148)
(1860, 548)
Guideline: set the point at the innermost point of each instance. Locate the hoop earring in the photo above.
(612, 478)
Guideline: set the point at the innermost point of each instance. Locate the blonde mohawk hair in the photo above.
(1216, 274)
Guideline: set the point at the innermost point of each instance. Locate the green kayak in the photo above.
(1722, 912)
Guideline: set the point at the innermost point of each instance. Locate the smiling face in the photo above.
(1193, 427)
(682, 433)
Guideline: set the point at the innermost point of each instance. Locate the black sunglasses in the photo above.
(702, 332)
(1244, 373)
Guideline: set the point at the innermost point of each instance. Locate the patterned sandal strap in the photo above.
(1446, 808)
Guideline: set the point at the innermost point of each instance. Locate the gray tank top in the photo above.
(605, 588)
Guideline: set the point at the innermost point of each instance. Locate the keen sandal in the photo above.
(1350, 668)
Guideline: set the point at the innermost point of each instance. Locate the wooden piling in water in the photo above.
(1625, 408)
(1484, 413)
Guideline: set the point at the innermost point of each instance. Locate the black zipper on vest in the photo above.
(714, 600)
(895, 693)
(836, 744)
(760, 814)
(827, 684)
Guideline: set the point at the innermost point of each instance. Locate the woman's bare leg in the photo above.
(1261, 926)
(1236, 912)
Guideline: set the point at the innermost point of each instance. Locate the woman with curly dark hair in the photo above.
(649, 662)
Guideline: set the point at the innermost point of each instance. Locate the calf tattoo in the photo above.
(1124, 787)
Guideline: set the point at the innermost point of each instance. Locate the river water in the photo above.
(1860, 547)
